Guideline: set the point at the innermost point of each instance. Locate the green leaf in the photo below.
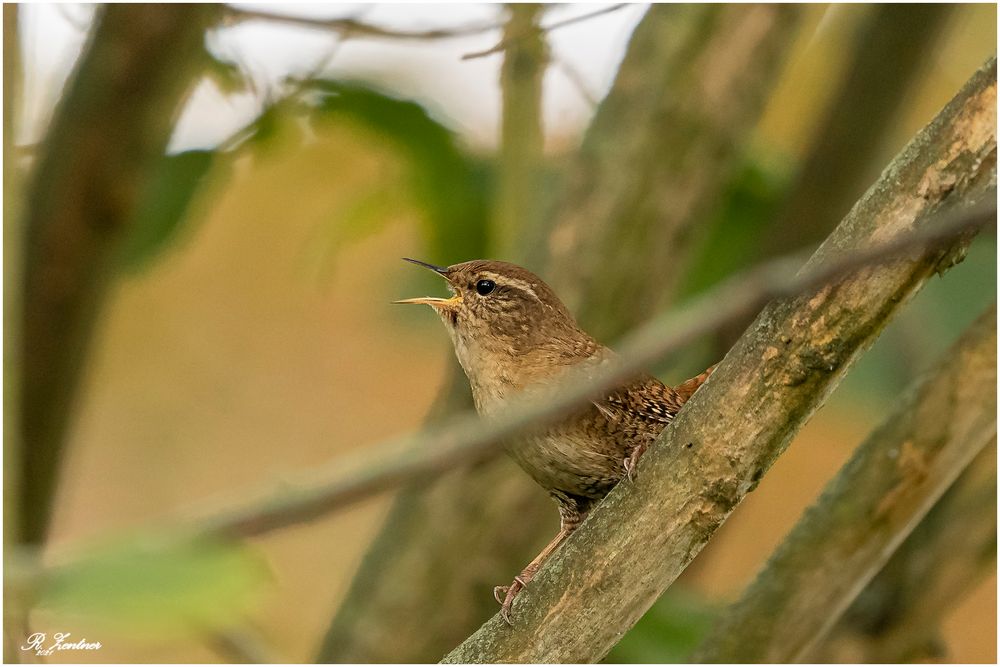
(450, 187)
(161, 586)
(164, 206)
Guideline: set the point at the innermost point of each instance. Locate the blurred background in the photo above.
(247, 332)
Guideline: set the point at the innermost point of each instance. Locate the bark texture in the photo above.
(425, 583)
(642, 536)
(111, 127)
(870, 507)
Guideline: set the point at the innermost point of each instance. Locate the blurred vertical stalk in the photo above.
(892, 49)
(12, 270)
(14, 610)
(518, 206)
(109, 130)
(658, 155)
(898, 616)
(425, 583)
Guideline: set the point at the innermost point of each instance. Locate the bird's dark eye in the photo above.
(484, 287)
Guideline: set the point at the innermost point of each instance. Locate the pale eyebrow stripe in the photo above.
(512, 282)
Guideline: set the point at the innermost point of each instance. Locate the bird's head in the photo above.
(498, 305)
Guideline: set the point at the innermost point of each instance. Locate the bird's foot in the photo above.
(633, 459)
(509, 593)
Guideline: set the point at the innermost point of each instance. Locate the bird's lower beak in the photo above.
(434, 301)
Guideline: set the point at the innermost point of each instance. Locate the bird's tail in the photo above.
(688, 387)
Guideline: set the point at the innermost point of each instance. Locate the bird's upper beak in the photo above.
(436, 302)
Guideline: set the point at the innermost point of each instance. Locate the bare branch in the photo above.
(575, 78)
(641, 537)
(898, 617)
(891, 481)
(13, 238)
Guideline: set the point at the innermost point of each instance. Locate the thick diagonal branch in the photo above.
(642, 536)
(890, 483)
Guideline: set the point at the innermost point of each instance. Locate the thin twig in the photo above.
(574, 76)
(503, 44)
(296, 86)
(353, 27)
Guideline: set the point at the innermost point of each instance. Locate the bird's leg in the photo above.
(569, 520)
(521, 580)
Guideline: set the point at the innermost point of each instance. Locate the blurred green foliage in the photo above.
(748, 207)
(669, 631)
(450, 187)
(156, 585)
(166, 206)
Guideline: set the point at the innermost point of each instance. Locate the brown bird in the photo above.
(512, 335)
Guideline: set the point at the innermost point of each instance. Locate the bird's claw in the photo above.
(631, 461)
(509, 593)
(629, 468)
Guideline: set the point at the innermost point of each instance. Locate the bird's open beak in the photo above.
(434, 301)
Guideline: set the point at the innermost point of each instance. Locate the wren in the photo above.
(511, 334)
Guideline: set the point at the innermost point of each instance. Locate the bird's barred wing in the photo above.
(649, 400)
